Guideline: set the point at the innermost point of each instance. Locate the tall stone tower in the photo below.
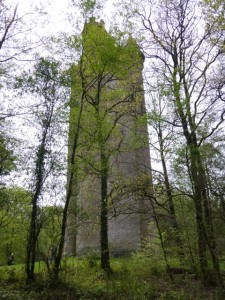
(107, 112)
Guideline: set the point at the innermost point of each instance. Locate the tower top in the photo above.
(92, 20)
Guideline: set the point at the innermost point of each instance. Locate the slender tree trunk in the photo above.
(31, 245)
(33, 231)
(104, 160)
(162, 242)
(209, 230)
(105, 260)
(203, 217)
(198, 179)
(170, 196)
(59, 254)
(45, 78)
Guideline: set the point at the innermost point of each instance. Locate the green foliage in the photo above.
(103, 53)
(100, 51)
(7, 158)
(107, 73)
(45, 79)
(49, 236)
(132, 278)
(14, 221)
(89, 8)
(214, 14)
(14, 218)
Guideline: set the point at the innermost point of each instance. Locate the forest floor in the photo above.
(132, 279)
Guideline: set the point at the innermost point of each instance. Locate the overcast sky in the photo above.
(59, 13)
(56, 9)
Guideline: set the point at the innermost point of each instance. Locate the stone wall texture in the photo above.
(129, 176)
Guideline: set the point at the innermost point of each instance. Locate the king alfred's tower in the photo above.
(112, 163)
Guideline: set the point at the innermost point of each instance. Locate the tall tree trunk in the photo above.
(209, 230)
(203, 215)
(169, 195)
(34, 229)
(162, 242)
(198, 179)
(31, 245)
(70, 185)
(105, 260)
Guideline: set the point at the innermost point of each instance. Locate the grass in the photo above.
(133, 278)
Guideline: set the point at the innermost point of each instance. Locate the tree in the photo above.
(89, 8)
(9, 24)
(14, 45)
(74, 132)
(183, 56)
(14, 41)
(14, 219)
(214, 16)
(46, 82)
(163, 145)
(7, 158)
(50, 234)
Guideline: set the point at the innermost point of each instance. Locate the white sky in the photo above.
(59, 12)
(56, 10)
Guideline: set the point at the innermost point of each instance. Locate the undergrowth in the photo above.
(136, 277)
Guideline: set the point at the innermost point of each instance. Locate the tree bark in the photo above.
(34, 229)
(105, 260)
(72, 174)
